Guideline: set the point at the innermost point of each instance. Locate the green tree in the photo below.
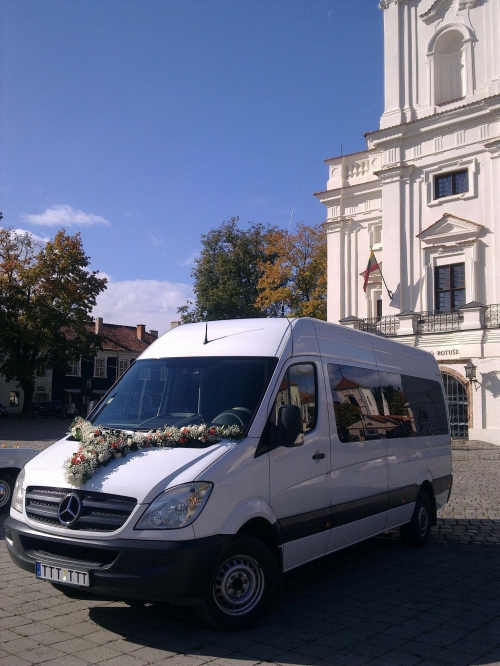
(294, 273)
(227, 272)
(46, 296)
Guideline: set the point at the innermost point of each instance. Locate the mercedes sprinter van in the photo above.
(231, 452)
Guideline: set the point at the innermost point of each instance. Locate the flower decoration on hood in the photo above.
(99, 445)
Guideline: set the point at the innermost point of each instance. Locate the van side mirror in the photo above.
(290, 430)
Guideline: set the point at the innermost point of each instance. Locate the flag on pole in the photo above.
(372, 266)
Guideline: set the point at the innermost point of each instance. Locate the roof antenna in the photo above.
(205, 341)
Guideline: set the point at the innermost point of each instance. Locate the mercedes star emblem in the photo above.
(69, 509)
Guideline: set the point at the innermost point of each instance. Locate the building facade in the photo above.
(89, 378)
(425, 196)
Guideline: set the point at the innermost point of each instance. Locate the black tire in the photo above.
(6, 490)
(417, 532)
(246, 583)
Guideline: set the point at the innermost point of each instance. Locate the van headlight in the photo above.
(17, 495)
(176, 507)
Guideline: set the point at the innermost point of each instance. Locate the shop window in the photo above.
(449, 287)
(14, 399)
(448, 184)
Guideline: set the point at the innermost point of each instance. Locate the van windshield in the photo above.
(186, 391)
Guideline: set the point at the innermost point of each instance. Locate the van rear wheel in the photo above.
(245, 585)
(418, 530)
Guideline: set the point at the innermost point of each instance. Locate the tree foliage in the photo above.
(227, 273)
(294, 273)
(46, 296)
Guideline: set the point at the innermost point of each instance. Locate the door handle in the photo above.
(318, 456)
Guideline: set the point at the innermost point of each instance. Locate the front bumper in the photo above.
(179, 572)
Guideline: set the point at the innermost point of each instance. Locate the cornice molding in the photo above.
(385, 4)
(394, 172)
(433, 13)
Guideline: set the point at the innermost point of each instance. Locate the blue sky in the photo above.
(145, 123)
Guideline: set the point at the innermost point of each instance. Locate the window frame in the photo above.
(75, 364)
(452, 288)
(453, 175)
(104, 360)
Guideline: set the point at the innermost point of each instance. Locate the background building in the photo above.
(425, 195)
(89, 378)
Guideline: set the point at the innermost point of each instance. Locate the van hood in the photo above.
(142, 474)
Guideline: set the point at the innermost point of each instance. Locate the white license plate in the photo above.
(62, 575)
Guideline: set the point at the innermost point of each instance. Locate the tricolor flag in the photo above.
(372, 266)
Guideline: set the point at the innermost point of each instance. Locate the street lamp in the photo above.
(470, 373)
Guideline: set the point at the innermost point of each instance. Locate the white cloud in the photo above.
(150, 302)
(61, 215)
(155, 239)
(37, 239)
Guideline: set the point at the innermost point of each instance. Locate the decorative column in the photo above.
(393, 62)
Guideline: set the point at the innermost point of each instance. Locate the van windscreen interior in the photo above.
(186, 391)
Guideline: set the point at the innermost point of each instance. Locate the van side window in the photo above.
(298, 387)
(427, 405)
(357, 402)
(400, 420)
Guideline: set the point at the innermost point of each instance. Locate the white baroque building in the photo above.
(425, 195)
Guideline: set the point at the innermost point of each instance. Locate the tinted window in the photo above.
(400, 421)
(357, 402)
(372, 405)
(298, 387)
(427, 405)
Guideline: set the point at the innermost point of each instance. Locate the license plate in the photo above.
(62, 575)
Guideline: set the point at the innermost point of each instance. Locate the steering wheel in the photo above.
(239, 416)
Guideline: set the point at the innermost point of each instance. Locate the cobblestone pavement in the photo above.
(376, 603)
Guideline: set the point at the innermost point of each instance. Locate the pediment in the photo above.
(450, 229)
(437, 9)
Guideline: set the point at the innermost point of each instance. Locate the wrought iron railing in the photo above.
(433, 321)
(492, 316)
(384, 326)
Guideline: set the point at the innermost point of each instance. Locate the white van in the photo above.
(343, 435)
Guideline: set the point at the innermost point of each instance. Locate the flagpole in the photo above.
(389, 292)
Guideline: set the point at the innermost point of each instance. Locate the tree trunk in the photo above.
(28, 390)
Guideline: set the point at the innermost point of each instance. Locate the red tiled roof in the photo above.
(119, 338)
(346, 384)
(123, 338)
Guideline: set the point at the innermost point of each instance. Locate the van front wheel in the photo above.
(418, 530)
(246, 583)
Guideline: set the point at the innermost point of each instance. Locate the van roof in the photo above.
(270, 337)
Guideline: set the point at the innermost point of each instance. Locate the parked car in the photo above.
(3, 411)
(11, 463)
(333, 436)
(49, 408)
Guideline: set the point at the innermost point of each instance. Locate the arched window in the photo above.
(449, 67)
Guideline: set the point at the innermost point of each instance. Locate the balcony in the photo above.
(470, 316)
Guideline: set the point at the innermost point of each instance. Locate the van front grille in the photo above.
(100, 512)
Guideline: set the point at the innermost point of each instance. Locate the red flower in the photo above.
(182, 440)
(212, 431)
(114, 445)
